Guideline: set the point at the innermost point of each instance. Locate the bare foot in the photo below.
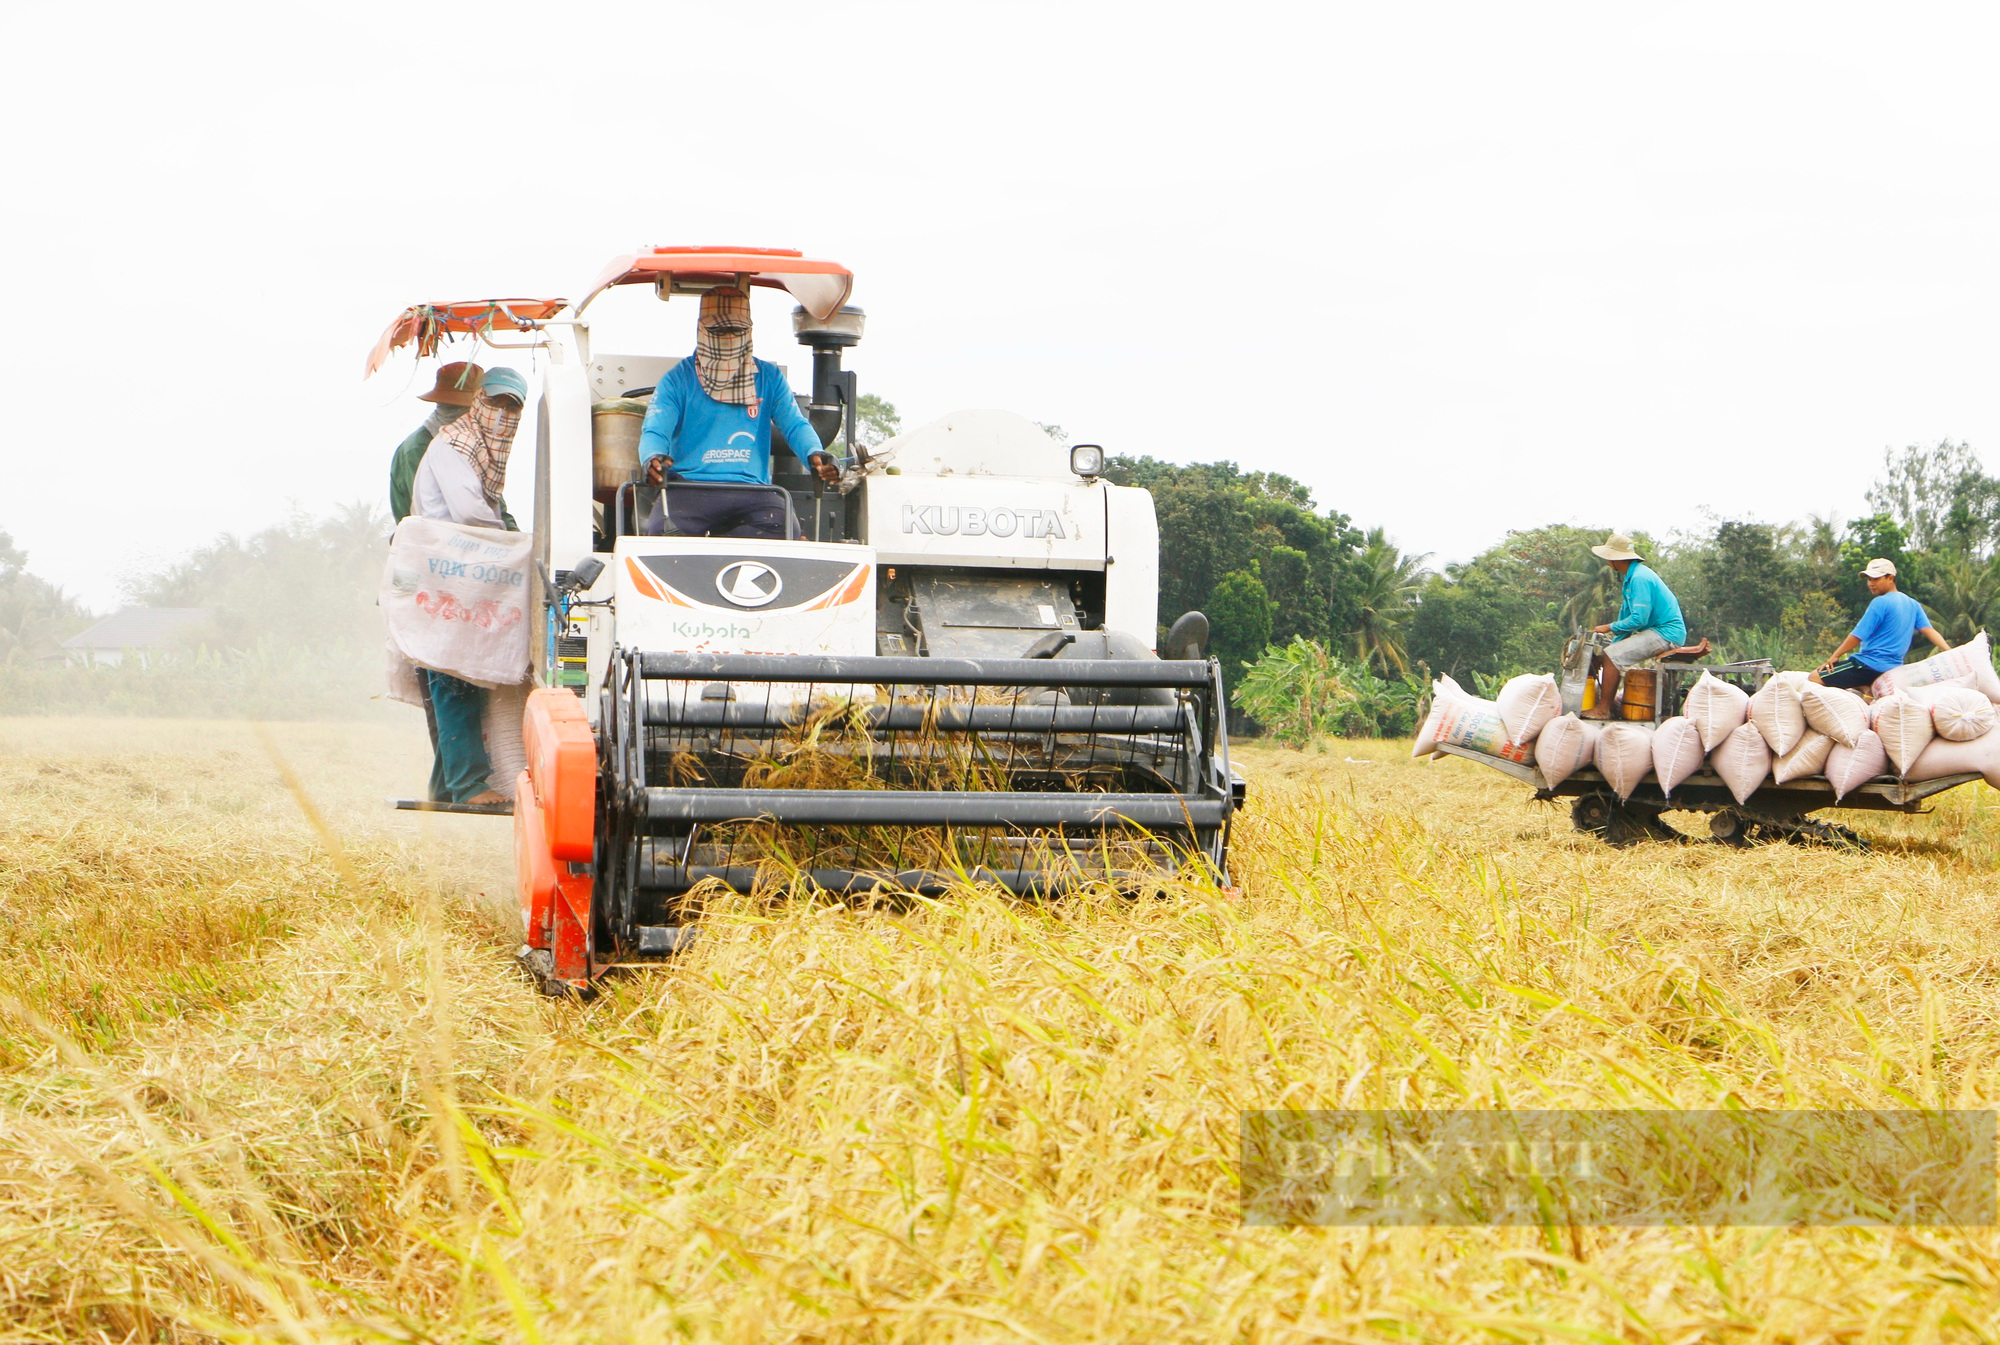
(490, 796)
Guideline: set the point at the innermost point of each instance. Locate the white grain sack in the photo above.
(1442, 690)
(1849, 768)
(1565, 746)
(1840, 715)
(1475, 725)
(1625, 756)
(1808, 758)
(1944, 757)
(1974, 658)
(1903, 723)
(1527, 703)
(1776, 712)
(1743, 760)
(1959, 714)
(1716, 708)
(1677, 752)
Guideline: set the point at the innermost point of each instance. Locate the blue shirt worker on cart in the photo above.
(710, 423)
(1649, 620)
(1882, 641)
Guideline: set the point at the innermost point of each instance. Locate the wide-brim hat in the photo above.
(457, 385)
(1616, 547)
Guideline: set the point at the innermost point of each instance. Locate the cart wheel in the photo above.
(1730, 828)
(1812, 831)
(1619, 824)
(1592, 813)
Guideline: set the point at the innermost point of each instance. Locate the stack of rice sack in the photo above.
(1929, 719)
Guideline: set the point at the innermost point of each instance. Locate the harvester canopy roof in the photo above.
(819, 286)
(429, 324)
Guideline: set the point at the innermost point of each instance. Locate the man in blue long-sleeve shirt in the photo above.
(1649, 619)
(710, 422)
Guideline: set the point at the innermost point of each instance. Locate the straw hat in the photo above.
(457, 385)
(1616, 547)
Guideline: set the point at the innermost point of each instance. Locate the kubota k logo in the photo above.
(748, 583)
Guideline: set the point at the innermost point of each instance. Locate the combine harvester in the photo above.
(1769, 813)
(954, 680)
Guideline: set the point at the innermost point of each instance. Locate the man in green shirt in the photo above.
(457, 385)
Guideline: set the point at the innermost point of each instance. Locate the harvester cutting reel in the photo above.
(856, 776)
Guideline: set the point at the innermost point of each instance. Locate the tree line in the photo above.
(293, 629)
(1323, 628)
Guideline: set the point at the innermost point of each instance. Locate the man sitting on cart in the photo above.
(1649, 620)
(1882, 641)
(710, 423)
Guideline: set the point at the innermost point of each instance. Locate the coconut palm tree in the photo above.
(1594, 594)
(1964, 593)
(1390, 582)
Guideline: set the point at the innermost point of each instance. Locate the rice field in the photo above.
(271, 1076)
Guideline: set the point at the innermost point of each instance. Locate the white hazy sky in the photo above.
(1458, 267)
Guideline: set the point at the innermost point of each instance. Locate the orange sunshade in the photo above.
(429, 324)
(820, 286)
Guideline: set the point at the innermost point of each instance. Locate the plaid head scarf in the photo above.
(485, 435)
(722, 356)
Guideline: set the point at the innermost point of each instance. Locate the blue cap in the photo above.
(505, 383)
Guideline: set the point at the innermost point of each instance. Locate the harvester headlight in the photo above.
(1087, 461)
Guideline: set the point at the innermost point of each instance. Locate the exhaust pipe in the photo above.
(834, 394)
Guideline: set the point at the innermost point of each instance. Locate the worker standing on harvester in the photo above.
(1883, 638)
(710, 422)
(1649, 620)
(460, 481)
(457, 386)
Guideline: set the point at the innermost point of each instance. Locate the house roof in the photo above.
(139, 628)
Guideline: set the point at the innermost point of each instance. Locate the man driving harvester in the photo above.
(1649, 620)
(710, 423)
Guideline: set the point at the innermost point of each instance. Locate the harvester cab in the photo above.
(945, 671)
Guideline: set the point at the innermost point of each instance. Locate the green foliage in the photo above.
(1940, 498)
(1384, 604)
(875, 421)
(1810, 629)
(1216, 520)
(1239, 620)
(1304, 691)
(308, 583)
(35, 615)
(1745, 581)
(296, 633)
(1876, 535)
(1293, 692)
(1510, 608)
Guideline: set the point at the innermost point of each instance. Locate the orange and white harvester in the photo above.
(949, 672)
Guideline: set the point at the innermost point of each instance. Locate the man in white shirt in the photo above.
(460, 481)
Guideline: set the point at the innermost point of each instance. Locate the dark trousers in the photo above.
(458, 709)
(437, 791)
(1851, 673)
(716, 513)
